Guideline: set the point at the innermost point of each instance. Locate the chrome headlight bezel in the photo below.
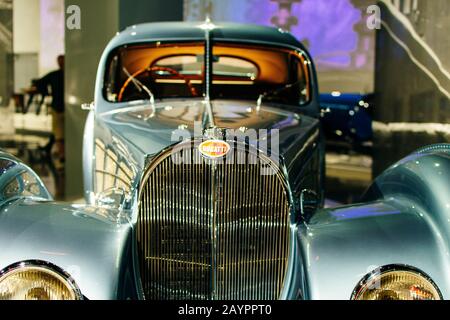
(382, 271)
(45, 267)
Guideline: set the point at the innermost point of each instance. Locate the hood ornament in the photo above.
(215, 145)
(215, 133)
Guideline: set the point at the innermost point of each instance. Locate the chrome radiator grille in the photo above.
(212, 230)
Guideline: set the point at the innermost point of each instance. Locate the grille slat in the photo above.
(212, 230)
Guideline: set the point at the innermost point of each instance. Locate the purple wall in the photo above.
(334, 31)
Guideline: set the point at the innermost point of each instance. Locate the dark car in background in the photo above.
(347, 120)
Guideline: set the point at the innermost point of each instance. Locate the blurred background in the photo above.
(384, 92)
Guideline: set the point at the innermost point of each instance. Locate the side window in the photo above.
(303, 84)
(309, 175)
(111, 75)
(311, 178)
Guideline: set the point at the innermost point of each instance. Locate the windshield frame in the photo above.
(304, 60)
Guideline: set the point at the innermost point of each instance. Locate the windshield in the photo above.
(177, 70)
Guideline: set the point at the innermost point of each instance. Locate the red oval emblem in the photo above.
(214, 149)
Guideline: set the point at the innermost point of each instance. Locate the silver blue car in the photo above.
(204, 179)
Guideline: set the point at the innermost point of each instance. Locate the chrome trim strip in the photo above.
(208, 73)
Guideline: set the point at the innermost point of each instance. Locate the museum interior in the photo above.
(224, 150)
(384, 84)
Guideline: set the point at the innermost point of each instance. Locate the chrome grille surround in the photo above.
(213, 230)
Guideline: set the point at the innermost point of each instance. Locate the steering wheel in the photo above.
(155, 69)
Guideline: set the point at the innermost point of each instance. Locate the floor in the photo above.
(30, 132)
(348, 176)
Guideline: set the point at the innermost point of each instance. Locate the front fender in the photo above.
(341, 246)
(17, 181)
(406, 220)
(91, 244)
(423, 178)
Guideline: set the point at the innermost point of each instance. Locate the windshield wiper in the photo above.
(141, 87)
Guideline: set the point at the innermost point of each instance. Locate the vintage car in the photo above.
(347, 120)
(204, 171)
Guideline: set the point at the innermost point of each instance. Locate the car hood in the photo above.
(144, 130)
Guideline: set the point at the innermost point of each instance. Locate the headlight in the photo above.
(36, 281)
(396, 283)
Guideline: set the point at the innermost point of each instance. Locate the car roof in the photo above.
(167, 31)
